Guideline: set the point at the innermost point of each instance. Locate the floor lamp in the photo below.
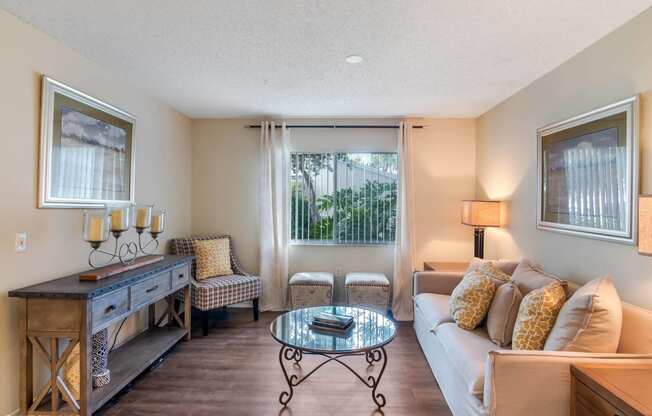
(481, 214)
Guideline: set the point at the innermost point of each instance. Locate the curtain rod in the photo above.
(333, 126)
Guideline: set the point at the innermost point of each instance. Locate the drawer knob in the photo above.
(180, 275)
(151, 289)
(110, 308)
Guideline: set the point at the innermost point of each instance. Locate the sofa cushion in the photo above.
(470, 300)
(590, 321)
(536, 316)
(467, 351)
(434, 308)
(529, 276)
(502, 314)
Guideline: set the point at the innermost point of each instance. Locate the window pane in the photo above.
(343, 198)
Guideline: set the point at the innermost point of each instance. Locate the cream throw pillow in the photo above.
(471, 298)
(590, 321)
(529, 276)
(536, 316)
(213, 258)
(502, 314)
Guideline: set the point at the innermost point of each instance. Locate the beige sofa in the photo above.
(479, 378)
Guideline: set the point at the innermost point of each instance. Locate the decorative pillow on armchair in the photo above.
(590, 321)
(536, 316)
(213, 258)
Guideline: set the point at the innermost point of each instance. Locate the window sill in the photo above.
(332, 244)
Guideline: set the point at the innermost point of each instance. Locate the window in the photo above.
(343, 198)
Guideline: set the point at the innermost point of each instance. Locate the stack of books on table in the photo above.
(332, 323)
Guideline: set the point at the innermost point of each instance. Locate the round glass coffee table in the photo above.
(368, 336)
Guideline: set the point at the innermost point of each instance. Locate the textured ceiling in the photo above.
(210, 58)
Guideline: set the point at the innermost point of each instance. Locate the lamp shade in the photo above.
(645, 224)
(481, 213)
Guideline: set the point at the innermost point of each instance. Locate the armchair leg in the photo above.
(204, 322)
(256, 310)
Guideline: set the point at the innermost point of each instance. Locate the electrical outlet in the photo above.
(21, 242)
(338, 272)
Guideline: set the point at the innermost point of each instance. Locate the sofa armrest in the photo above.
(537, 383)
(441, 283)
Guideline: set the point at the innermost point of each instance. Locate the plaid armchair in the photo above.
(217, 292)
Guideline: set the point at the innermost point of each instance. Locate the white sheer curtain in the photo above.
(273, 215)
(404, 249)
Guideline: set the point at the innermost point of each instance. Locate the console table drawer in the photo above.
(180, 276)
(150, 290)
(109, 307)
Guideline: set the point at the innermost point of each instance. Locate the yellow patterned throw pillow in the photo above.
(498, 276)
(536, 316)
(471, 299)
(213, 258)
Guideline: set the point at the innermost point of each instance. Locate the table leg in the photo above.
(294, 354)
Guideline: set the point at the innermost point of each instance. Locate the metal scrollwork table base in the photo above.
(372, 331)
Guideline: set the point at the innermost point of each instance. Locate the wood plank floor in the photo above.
(235, 371)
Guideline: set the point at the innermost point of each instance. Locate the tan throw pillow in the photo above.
(536, 316)
(502, 314)
(470, 299)
(529, 276)
(505, 265)
(590, 321)
(213, 258)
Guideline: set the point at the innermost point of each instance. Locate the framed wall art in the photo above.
(86, 152)
(588, 173)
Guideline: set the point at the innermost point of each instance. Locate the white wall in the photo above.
(225, 171)
(55, 247)
(614, 68)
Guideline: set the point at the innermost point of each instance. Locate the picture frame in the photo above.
(87, 150)
(588, 174)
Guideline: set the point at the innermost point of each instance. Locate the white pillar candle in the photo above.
(141, 217)
(157, 222)
(96, 229)
(118, 220)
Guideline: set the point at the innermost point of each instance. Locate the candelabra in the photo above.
(116, 220)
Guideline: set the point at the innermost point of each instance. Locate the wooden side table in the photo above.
(611, 390)
(445, 266)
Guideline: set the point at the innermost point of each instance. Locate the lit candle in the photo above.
(158, 222)
(118, 220)
(142, 217)
(96, 229)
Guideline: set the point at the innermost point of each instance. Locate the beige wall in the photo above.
(614, 68)
(225, 170)
(55, 247)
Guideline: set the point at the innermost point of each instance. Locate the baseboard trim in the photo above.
(14, 413)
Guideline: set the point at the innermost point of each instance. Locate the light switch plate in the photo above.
(21, 242)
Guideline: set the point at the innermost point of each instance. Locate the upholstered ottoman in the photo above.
(311, 289)
(367, 290)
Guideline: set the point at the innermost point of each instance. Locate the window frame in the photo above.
(332, 242)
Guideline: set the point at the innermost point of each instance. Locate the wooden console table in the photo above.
(68, 309)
